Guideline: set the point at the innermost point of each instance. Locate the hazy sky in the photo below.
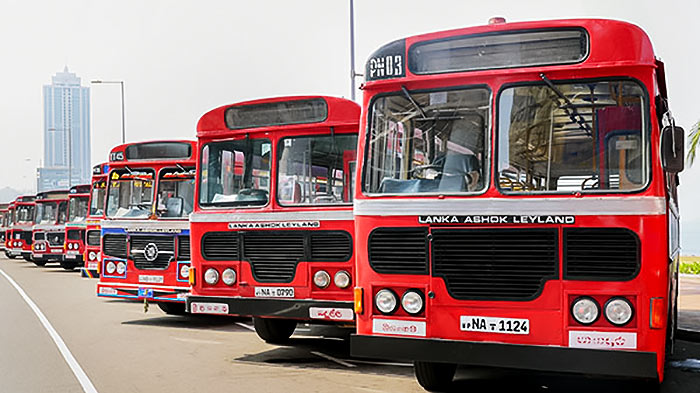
(180, 59)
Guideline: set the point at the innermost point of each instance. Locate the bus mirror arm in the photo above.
(672, 148)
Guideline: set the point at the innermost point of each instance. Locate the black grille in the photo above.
(399, 250)
(601, 254)
(114, 246)
(56, 239)
(495, 264)
(166, 250)
(76, 234)
(26, 236)
(93, 238)
(331, 246)
(183, 248)
(274, 255)
(218, 246)
(38, 236)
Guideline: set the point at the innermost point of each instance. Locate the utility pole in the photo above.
(352, 50)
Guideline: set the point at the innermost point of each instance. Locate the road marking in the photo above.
(196, 340)
(245, 326)
(83, 379)
(332, 359)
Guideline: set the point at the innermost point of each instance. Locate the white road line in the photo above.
(83, 379)
(332, 359)
(245, 326)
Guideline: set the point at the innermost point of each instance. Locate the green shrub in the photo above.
(690, 267)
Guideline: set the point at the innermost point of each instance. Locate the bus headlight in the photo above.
(386, 301)
(121, 267)
(618, 311)
(412, 301)
(322, 279)
(92, 256)
(342, 279)
(228, 276)
(585, 310)
(211, 276)
(111, 267)
(185, 271)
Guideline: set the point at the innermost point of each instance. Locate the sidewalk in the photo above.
(689, 302)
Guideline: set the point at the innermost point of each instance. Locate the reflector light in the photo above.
(657, 311)
(357, 292)
(192, 275)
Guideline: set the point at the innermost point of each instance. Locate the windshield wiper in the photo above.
(413, 102)
(569, 107)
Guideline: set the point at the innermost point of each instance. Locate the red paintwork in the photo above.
(74, 249)
(91, 254)
(617, 49)
(24, 248)
(55, 251)
(343, 116)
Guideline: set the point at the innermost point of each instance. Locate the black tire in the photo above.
(68, 265)
(11, 256)
(274, 331)
(28, 258)
(39, 262)
(434, 377)
(172, 308)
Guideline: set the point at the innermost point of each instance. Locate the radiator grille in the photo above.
(273, 255)
(114, 246)
(495, 264)
(76, 234)
(330, 246)
(220, 246)
(56, 239)
(183, 248)
(601, 254)
(399, 250)
(166, 250)
(93, 238)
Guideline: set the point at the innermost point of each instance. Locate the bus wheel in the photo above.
(172, 308)
(68, 265)
(11, 256)
(434, 377)
(27, 258)
(39, 262)
(274, 331)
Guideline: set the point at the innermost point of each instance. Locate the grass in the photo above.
(690, 265)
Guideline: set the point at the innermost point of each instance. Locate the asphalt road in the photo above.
(122, 349)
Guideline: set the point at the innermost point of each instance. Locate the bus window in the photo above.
(130, 193)
(312, 169)
(175, 193)
(572, 137)
(62, 212)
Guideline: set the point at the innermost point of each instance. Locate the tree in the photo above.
(694, 140)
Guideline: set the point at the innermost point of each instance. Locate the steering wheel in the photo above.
(594, 185)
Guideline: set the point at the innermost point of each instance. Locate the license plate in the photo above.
(70, 256)
(469, 323)
(602, 340)
(335, 314)
(274, 292)
(146, 292)
(92, 265)
(151, 279)
(107, 291)
(208, 308)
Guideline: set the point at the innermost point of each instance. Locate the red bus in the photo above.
(20, 241)
(96, 213)
(49, 232)
(516, 204)
(272, 227)
(8, 223)
(145, 233)
(74, 246)
(4, 223)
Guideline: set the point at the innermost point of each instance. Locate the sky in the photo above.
(180, 59)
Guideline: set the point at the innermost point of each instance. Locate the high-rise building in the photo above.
(66, 133)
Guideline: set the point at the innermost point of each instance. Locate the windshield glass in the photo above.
(46, 212)
(97, 199)
(235, 173)
(423, 143)
(77, 209)
(130, 193)
(315, 170)
(572, 137)
(175, 192)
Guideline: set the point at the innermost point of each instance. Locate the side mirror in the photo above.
(672, 149)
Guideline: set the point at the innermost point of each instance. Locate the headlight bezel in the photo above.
(389, 292)
(420, 295)
(594, 303)
(223, 276)
(342, 273)
(624, 300)
(322, 274)
(216, 277)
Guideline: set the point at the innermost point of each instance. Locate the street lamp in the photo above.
(121, 83)
(70, 153)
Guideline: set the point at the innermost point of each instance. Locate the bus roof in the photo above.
(25, 199)
(277, 113)
(80, 190)
(150, 151)
(52, 195)
(100, 169)
(580, 42)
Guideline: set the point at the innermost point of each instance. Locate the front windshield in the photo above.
(46, 212)
(572, 137)
(316, 170)
(77, 209)
(175, 192)
(130, 193)
(428, 143)
(97, 199)
(25, 214)
(235, 173)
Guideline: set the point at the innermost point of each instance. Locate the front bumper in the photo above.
(47, 257)
(136, 292)
(299, 309)
(613, 363)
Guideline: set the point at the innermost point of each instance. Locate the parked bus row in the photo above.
(506, 196)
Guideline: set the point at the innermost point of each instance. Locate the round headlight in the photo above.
(97, 255)
(585, 310)
(342, 279)
(211, 276)
(185, 271)
(111, 267)
(228, 276)
(322, 279)
(412, 301)
(618, 311)
(121, 267)
(386, 301)
(92, 255)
